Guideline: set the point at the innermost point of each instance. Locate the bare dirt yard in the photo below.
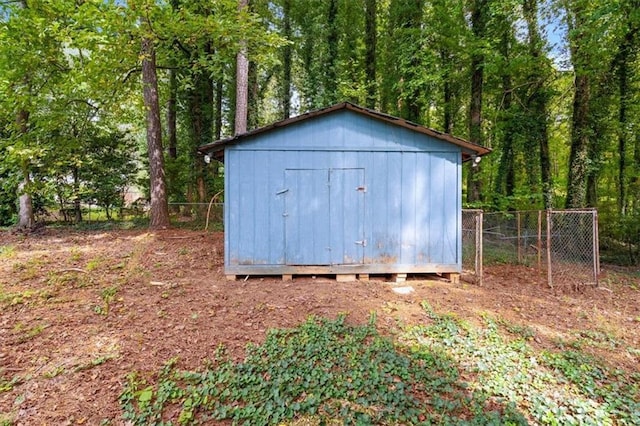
(81, 310)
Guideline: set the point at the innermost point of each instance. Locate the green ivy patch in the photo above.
(566, 388)
(325, 369)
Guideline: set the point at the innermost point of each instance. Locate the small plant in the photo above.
(524, 331)
(7, 385)
(54, 372)
(7, 252)
(29, 269)
(76, 254)
(107, 295)
(93, 363)
(93, 264)
(28, 333)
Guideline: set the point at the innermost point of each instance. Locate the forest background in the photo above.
(102, 95)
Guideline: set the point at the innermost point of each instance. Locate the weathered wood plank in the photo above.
(398, 278)
(453, 277)
(344, 278)
(371, 269)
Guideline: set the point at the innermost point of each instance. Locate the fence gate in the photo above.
(572, 247)
(472, 246)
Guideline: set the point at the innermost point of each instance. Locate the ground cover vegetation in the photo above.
(551, 87)
(132, 327)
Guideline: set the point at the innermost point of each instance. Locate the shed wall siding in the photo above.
(343, 131)
(411, 214)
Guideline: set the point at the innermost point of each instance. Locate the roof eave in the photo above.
(469, 149)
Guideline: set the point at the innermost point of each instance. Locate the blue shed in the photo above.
(343, 190)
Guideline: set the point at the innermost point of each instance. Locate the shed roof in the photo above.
(469, 149)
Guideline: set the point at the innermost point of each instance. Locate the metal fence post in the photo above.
(596, 248)
(480, 268)
(549, 225)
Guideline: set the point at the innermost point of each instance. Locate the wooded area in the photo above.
(98, 96)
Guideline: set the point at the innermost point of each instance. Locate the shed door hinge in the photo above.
(282, 191)
(361, 188)
(362, 243)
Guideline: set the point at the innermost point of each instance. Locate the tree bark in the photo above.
(478, 25)
(371, 29)
(286, 62)
(25, 211)
(242, 82)
(580, 132)
(331, 70)
(626, 54)
(159, 213)
(217, 124)
(171, 116)
(537, 102)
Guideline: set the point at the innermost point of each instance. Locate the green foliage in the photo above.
(324, 369)
(567, 388)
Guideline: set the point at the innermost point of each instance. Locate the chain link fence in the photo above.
(196, 216)
(472, 249)
(561, 245)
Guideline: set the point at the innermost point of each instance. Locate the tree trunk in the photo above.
(25, 212)
(506, 169)
(331, 70)
(159, 213)
(253, 96)
(537, 102)
(478, 24)
(201, 105)
(285, 96)
(625, 55)
(371, 29)
(579, 156)
(171, 116)
(217, 124)
(447, 93)
(242, 82)
(77, 209)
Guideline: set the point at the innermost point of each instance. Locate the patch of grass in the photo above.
(11, 299)
(107, 295)
(93, 264)
(54, 372)
(322, 370)
(7, 419)
(28, 333)
(29, 269)
(94, 363)
(75, 254)
(7, 385)
(7, 252)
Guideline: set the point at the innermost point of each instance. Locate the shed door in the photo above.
(324, 215)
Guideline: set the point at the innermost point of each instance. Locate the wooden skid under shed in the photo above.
(453, 277)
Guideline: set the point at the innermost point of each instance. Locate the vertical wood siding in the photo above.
(307, 173)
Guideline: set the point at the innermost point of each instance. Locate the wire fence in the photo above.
(472, 263)
(561, 245)
(209, 216)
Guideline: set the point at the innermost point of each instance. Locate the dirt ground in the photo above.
(81, 310)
